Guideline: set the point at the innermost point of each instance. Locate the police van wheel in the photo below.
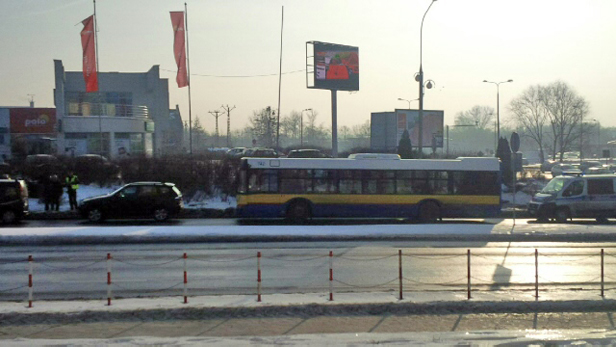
(562, 215)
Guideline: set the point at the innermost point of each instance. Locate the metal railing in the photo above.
(88, 109)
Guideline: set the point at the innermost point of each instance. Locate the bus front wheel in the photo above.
(429, 212)
(298, 211)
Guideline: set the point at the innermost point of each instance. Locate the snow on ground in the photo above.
(198, 201)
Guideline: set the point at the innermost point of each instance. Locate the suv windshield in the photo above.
(555, 185)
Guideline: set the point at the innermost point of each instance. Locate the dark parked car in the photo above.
(260, 152)
(307, 153)
(135, 200)
(13, 200)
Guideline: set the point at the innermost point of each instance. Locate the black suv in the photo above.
(135, 200)
(13, 200)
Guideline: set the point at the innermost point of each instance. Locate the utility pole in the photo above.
(216, 114)
(228, 111)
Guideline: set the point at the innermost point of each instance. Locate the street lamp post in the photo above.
(301, 127)
(497, 106)
(420, 78)
(407, 100)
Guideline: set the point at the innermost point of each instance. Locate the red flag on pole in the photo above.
(179, 47)
(89, 55)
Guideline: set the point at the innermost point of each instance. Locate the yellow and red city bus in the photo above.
(369, 186)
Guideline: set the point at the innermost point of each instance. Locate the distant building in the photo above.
(173, 136)
(27, 130)
(130, 114)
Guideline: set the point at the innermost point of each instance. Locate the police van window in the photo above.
(575, 188)
(601, 186)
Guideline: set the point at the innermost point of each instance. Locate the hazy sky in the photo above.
(464, 42)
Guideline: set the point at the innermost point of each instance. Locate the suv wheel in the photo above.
(95, 215)
(161, 214)
(9, 217)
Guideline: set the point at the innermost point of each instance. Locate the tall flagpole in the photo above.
(188, 72)
(279, 82)
(98, 92)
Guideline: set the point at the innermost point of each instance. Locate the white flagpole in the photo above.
(188, 72)
(98, 93)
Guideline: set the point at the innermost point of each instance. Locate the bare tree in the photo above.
(362, 130)
(290, 125)
(531, 117)
(566, 111)
(481, 116)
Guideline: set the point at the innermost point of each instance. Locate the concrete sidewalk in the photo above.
(434, 318)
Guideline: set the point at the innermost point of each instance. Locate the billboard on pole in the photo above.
(333, 66)
(432, 127)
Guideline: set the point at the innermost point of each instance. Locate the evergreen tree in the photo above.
(503, 152)
(405, 149)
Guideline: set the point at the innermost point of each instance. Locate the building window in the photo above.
(105, 104)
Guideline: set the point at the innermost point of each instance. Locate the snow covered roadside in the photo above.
(198, 201)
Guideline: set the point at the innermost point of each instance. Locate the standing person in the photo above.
(72, 184)
(56, 192)
(46, 190)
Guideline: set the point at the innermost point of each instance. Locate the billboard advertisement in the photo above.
(336, 67)
(33, 120)
(432, 127)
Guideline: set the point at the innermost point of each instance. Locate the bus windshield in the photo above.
(555, 185)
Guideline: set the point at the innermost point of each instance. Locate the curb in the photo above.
(308, 310)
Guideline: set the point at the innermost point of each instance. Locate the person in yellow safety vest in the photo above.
(72, 184)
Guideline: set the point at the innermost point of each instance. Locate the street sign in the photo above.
(515, 142)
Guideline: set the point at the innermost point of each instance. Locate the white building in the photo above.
(130, 113)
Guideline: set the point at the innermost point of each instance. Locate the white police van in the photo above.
(566, 197)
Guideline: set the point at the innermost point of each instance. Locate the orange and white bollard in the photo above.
(258, 276)
(331, 276)
(30, 273)
(185, 279)
(108, 279)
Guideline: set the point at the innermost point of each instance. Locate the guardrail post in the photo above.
(536, 273)
(468, 272)
(30, 273)
(331, 276)
(602, 273)
(400, 271)
(108, 279)
(258, 276)
(185, 278)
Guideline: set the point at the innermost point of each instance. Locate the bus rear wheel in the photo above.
(298, 212)
(429, 212)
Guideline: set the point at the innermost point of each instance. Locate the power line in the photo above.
(239, 76)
